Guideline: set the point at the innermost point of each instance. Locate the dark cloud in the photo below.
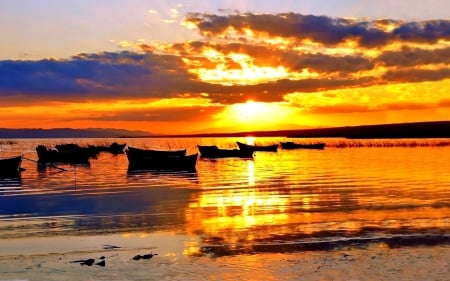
(81, 75)
(323, 29)
(416, 75)
(426, 31)
(408, 57)
(105, 75)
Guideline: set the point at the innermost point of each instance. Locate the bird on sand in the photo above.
(87, 262)
(90, 262)
(144, 257)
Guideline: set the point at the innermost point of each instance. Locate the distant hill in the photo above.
(437, 129)
(69, 133)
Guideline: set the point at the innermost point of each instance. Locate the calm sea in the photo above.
(352, 192)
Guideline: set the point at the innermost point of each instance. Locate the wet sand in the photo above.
(375, 262)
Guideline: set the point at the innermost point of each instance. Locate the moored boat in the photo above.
(212, 151)
(114, 148)
(293, 145)
(160, 161)
(51, 155)
(10, 166)
(271, 147)
(155, 152)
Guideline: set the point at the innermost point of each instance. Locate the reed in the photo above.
(7, 142)
(389, 143)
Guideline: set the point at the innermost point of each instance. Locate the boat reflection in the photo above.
(183, 177)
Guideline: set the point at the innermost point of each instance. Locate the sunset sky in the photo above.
(170, 67)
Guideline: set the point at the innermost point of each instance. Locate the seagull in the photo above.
(110, 247)
(144, 257)
(148, 256)
(87, 262)
(90, 262)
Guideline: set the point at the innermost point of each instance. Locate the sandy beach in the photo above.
(375, 262)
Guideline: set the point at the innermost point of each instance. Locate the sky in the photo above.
(176, 67)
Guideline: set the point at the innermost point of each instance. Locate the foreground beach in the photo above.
(21, 261)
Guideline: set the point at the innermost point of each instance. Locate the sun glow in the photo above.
(251, 111)
(254, 115)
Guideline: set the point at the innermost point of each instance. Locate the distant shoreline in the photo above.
(436, 129)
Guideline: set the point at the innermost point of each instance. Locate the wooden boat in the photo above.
(10, 166)
(272, 147)
(51, 155)
(292, 145)
(114, 148)
(212, 151)
(155, 153)
(161, 161)
(73, 147)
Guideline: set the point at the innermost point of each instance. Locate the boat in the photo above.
(293, 145)
(114, 148)
(212, 151)
(52, 155)
(73, 147)
(272, 147)
(10, 166)
(117, 148)
(155, 152)
(160, 161)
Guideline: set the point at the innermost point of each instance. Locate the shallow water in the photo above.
(286, 201)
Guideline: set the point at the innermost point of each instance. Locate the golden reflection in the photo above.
(251, 173)
(250, 140)
(240, 209)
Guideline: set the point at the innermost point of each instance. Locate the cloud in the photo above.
(323, 29)
(81, 75)
(407, 57)
(173, 70)
(417, 75)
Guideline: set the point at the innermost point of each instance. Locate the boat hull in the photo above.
(292, 145)
(155, 153)
(138, 161)
(10, 167)
(270, 148)
(213, 151)
(46, 155)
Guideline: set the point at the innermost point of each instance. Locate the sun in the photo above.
(251, 111)
(253, 115)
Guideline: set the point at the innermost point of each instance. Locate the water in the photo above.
(285, 201)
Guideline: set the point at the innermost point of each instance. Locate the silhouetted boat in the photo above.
(10, 166)
(114, 148)
(155, 153)
(292, 145)
(272, 147)
(172, 160)
(212, 151)
(50, 155)
(73, 147)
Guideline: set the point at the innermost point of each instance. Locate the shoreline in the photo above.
(376, 262)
